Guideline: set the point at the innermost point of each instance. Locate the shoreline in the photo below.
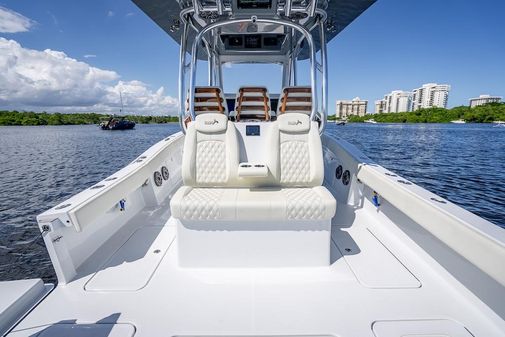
(85, 124)
(29, 118)
(488, 113)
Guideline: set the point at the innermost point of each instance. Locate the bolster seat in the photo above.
(212, 190)
(226, 220)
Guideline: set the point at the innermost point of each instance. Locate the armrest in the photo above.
(252, 170)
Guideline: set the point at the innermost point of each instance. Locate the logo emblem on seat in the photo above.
(298, 122)
(215, 121)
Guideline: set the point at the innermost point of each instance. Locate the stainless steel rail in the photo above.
(182, 72)
(299, 28)
(215, 68)
(324, 66)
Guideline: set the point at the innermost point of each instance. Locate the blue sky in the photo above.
(396, 44)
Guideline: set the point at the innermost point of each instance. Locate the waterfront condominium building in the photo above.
(356, 107)
(380, 106)
(398, 101)
(484, 99)
(430, 95)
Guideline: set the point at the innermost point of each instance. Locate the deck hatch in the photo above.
(420, 328)
(132, 266)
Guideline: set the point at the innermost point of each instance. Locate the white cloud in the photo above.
(128, 15)
(88, 56)
(50, 80)
(110, 13)
(13, 22)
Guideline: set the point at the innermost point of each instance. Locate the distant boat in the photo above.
(458, 121)
(371, 121)
(340, 122)
(117, 123)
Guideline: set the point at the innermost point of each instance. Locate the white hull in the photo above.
(261, 227)
(391, 267)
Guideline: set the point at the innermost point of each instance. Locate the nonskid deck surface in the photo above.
(379, 281)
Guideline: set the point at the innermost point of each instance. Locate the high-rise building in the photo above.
(430, 95)
(380, 106)
(484, 99)
(355, 107)
(398, 101)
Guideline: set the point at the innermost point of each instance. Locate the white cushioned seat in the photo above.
(212, 190)
(225, 221)
(210, 154)
(217, 204)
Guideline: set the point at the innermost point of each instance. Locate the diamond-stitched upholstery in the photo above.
(210, 162)
(201, 204)
(226, 204)
(300, 151)
(304, 204)
(213, 191)
(210, 154)
(295, 163)
(231, 220)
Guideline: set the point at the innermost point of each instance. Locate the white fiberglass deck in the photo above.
(380, 283)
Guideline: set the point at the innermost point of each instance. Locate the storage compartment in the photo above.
(245, 244)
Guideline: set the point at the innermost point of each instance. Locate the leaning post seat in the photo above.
(252, 103)
(228, 219)
(207, 100)
(295, 100)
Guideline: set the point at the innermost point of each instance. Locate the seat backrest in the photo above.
(252, 102)
(300, 153)
(295, 100)
(209, 100)
(210, 156)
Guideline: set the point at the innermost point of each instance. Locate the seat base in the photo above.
(253, 244)
(245, 227)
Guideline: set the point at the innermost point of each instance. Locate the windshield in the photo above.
(246, 74)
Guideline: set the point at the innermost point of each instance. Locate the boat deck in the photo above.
(380, 283)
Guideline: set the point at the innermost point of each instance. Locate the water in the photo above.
(42, 166)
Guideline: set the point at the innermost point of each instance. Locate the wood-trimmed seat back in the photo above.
(295, 99)
(252, 103)
(209, 100)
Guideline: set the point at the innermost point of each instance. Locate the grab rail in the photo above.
(299, 28)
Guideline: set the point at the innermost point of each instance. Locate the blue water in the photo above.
(42, 166)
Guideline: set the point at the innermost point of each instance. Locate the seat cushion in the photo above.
(300, 160)
(210, 155)
(311, 203)
(314, 203)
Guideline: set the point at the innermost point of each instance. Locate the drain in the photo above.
(62, 206)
